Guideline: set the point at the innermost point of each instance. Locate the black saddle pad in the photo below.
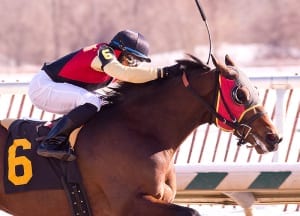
(24, 170)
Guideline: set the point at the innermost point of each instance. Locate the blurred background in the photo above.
(255, 32)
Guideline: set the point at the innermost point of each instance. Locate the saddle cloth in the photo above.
(24, 170)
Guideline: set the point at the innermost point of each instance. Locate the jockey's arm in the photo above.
(106, 61)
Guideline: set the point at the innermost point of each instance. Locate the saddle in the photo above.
(24, 170)
(72, 139)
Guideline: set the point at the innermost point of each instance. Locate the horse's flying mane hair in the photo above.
(112, 94)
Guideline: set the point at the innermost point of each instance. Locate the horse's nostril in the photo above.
(273, 138)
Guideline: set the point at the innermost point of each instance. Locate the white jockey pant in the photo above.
(59, 98)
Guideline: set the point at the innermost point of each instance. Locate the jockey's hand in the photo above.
(106, 55)
(172, 71)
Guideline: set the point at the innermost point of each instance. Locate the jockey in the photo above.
(66, 85)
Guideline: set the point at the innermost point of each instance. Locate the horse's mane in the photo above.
(112, 94)
(193, 63)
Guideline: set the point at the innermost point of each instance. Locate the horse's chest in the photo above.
(158, 166)
(156, 176)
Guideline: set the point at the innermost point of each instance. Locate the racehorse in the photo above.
(126, 152)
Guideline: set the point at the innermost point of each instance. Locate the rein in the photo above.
(243, 129)
(186, 83)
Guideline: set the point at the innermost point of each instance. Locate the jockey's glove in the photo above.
(105, 55)
(170, 71)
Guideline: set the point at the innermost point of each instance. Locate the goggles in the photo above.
(134, 52)
(131, 60)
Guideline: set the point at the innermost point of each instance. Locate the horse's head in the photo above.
(239, 110)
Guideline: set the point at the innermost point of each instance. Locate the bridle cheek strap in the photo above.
(247, 110)
(245, 127)
(242, 128)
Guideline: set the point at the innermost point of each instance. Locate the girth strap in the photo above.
(77, 199)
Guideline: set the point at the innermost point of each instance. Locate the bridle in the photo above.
(242, 128)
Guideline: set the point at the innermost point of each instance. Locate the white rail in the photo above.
(231, 188)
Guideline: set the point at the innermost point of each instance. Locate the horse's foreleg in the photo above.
(147, 205)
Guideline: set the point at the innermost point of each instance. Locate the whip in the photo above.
(207, 28)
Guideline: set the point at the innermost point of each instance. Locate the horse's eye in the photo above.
(240, 95)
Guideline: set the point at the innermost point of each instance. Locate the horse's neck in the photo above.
(170, 114)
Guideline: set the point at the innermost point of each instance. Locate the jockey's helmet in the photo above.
(132, 43)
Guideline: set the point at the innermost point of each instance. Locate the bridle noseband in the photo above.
(243, 128)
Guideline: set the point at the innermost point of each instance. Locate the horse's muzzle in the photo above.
(273, 139)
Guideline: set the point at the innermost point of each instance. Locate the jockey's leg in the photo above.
(148, 206)
(56, 143)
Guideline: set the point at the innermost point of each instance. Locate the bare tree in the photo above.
(34, 31)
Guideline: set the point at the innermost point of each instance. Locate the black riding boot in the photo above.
(56, 143)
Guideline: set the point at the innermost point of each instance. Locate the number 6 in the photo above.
(14, 161)
(106, 53)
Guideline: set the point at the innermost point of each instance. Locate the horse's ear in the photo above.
(220, 66)
(228, 61)
(231, 74)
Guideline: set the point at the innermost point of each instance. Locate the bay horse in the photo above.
(126, 152)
